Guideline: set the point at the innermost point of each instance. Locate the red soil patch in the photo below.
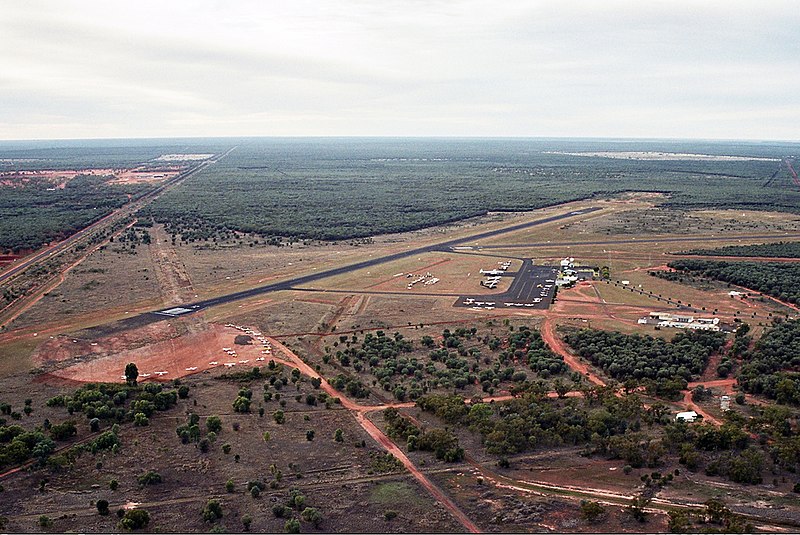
(175, 356)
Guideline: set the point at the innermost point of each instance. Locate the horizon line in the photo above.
(409, 137)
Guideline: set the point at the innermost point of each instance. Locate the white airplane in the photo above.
(191, 368)
(491, 272)
(230, 364)
(244, 361)
(161, 373)
(259, 359)
(213, 363)
(145, 375)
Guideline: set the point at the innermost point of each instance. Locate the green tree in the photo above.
(102, 507)
(311, 515)
(131, 374)
(134, 519)
(214, 424)
(292, 526)
(212, 511)
(591, 511)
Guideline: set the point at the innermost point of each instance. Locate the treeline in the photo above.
(779, 280)
(336, 190)
(643, 357)
(772, 368)
(781, 249)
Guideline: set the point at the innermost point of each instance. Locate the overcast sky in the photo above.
(683, 69)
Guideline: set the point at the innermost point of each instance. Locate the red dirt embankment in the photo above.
(176, 356)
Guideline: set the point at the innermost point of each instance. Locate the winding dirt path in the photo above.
(359, 412)
(555, 343)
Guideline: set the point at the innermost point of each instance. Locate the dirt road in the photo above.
(555, 343)
(359, 412)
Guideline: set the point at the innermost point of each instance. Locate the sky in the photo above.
(611, 68)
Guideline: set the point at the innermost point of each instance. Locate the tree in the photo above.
(591, 511)
(637, 508)
(102, 507)
(212, 511)
(134, 519)
(312, 515)
(246, 521)
(131, 374)
(279, 416)
(678, 522)
(310, 435)
(292, 526)
(214, 423)
(338, 435)
(230, 485)
(149, 478)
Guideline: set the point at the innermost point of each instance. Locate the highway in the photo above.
(128, 209)
(305, 279)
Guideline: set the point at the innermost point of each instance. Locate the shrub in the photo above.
(311, 515)
(212, 511)
(292, 526)
(102, 507)
(214, 424)
(134, 519)
(149, 478)
(591, 511)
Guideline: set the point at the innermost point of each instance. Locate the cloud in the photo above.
(572, 68)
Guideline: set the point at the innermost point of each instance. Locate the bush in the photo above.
(134, 519)
(311, 515)
(212, 511)
(591, 511)
(390, 515)
(292, 526)
(214, 424)
(150, 478)
(102, 507)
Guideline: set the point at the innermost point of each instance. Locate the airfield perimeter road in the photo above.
(297, 281)
(125, 210)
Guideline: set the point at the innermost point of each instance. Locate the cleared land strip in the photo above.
(126, 210)
(642, 240)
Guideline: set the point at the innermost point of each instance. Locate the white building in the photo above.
(678, 321)
(688, 416)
